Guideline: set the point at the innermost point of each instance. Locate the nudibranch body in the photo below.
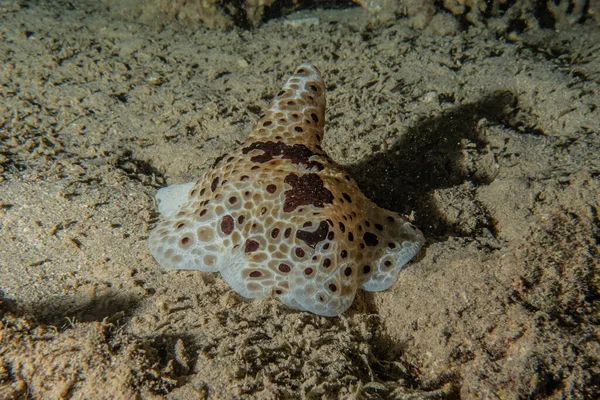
(278, 218)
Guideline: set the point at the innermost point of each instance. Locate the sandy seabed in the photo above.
(490, 145)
